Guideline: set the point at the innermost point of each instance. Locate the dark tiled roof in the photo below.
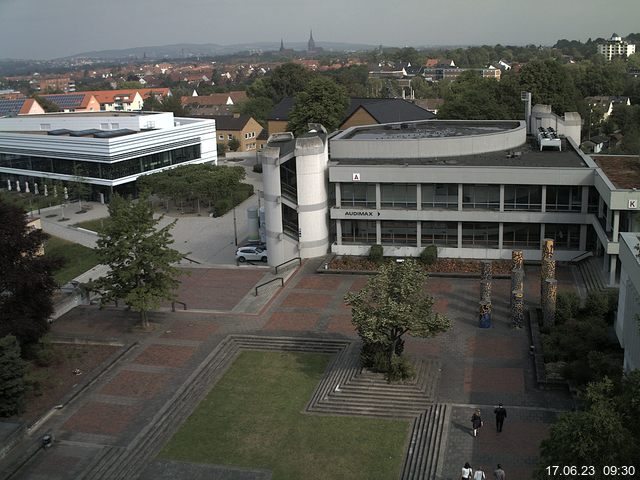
(230, 122)
(383, 110)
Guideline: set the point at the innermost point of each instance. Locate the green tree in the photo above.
(597, 436)
(233, 144)
(286, 81)
(26, 281)
(142, 269)
(47, 105)
(171, 104)
(323, 101)
(391, 304)
(550, 84)
(258, 108)
(12, 386)
(79, 185)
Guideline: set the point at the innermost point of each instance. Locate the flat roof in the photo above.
(429, 129)
(526, 155)
(622, 170)
(101, 113)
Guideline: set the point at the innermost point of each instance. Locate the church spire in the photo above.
(311, 44)
(281, 44)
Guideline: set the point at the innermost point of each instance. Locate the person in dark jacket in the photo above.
(476, 422)
(501, 414)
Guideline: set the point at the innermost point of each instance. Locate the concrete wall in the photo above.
(626, 326)
(570, 125)
(272, 195)
(344, 147)
(85, 121)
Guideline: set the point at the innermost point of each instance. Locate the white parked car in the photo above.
(253, 254)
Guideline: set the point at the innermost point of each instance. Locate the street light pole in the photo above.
(235, 227)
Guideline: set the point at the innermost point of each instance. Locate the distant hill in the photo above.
(213, 49)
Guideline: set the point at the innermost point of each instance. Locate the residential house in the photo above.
(244, 128)
(361, 111)
(74, 102)
(19, 106)
(64, 84)
(430, 104)
(606, 103)
(616, 47)
(215, 104)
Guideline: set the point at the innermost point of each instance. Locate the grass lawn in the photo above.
(78, 258)
(253, 418)
(93, 225)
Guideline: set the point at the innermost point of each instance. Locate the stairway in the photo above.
(591, 272)
(427, 441)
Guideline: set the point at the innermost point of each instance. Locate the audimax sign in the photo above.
(360, 213)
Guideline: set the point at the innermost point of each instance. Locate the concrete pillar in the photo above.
(600, 207)
(378, 232)
(419, 234)
(584, 208)
(339, 232)
(459, 235)
(544, 198)
(616, 225)
(517, 308)
(542, 235)
(583, 237)
(500, 235)
(517, 259)
(378, 197)
(609, 218)
(612, 270)
(460, 196)
(419, 196)
(338, 195)
(501, 202)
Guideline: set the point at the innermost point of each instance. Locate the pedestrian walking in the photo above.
(479, 475)
(501, 414)
(499, 474)
(467, 472)
(476, 422)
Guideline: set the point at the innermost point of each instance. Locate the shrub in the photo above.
(221, 207)
(429, 255)
(597, 304)
(400, 369)
(567, 306)
(376, 254)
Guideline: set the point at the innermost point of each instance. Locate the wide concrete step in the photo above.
(426, 444)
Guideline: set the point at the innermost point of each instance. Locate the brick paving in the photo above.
(479, 367)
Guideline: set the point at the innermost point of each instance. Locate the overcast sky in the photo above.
(42, 29)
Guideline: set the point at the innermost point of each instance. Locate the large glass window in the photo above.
(521, 235)
(398, 195)
(480, 235)
(358, 195)
(561, 198)
(523, 197)
(481, 197)
(567, 237)
(440, 195)
(443, 234)
(290, 221)
(398, 233)
(105, 169)
(289, 179)
(594, 197)
(358, 232)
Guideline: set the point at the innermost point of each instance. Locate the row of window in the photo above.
(109, 171)
(445, 234)
(480, 197)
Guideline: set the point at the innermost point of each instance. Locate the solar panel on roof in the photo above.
(66, 101)
(11, 107)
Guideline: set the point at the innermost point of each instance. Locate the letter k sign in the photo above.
(633, 203)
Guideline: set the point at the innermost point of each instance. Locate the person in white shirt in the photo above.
(467, 472)
(479, 475)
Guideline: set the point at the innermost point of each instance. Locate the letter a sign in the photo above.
(356, 177)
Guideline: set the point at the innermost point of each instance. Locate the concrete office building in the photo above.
(109, 150)
(476, 189)
(629, 301)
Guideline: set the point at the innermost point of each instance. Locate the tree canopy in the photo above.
(12, 387)
(391, 304)
(26, 281)
(604, 433)
(142, 269)
(323, 101)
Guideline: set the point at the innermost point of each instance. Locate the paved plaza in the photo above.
(479, 367)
